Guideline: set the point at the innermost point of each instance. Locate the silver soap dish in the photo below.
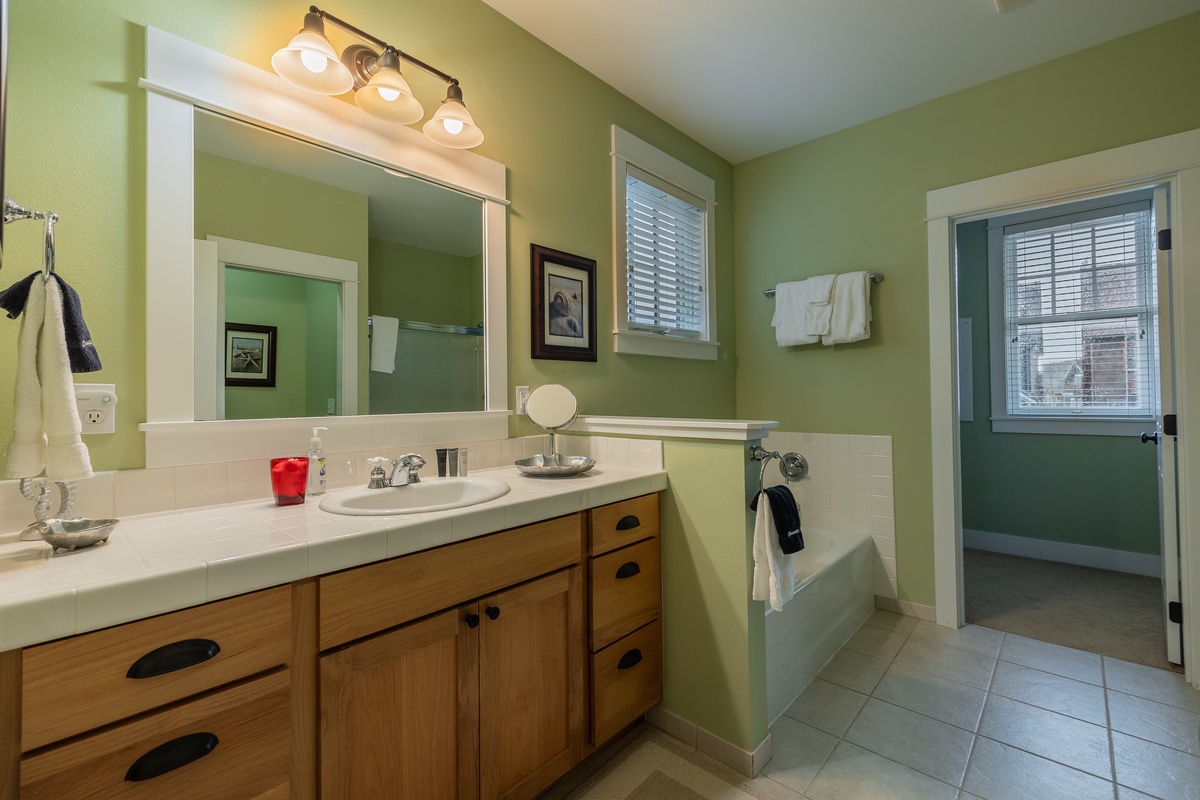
(555, 465)
(72, 534)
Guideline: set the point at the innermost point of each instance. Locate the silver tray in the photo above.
(72, 534)
(555, 466)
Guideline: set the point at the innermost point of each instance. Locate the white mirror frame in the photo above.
(182, 76)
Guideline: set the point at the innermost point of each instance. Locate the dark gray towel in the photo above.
(785, 512)
(80, 350)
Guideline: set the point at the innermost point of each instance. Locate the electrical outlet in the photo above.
(522, 396)
(97, 404)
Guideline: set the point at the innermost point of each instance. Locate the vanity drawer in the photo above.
(626, 681)
(626, 591)
(370, 599)
(232, 744)
(76, 684)
(626, 522)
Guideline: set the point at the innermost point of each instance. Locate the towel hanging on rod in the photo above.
(876, 277)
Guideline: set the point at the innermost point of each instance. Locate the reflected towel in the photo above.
(851, 319)
(383, 343)
(774, 578)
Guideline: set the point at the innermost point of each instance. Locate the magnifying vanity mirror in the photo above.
(553, 407)
(324, 230)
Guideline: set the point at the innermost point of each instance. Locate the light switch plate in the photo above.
(97, 404)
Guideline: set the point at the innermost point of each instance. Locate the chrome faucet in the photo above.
(404, 467)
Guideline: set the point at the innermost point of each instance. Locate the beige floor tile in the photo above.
(1000, 772)
(853, 670)
(914, 740)
(876, 642)
(973, 638)
(1052, 692)
(1170, 726)
(1067, 740)
(799, 752)
(826, 706)
(892, 621)
(957, 665)
(852, 773)
(1156, 770)
(1055, 658)
(940, 698)
(1153, 684)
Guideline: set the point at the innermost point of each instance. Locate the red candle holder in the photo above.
(289, 479)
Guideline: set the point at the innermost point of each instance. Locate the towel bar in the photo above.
(876, 277)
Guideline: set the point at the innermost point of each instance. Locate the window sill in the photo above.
(1075, 426)
(650, 344)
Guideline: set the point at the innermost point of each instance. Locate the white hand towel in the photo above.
(26, 456)
(774, 577)
(383, 343)
(66, 454)
(819, 309)
(791, 300)
(851, 319)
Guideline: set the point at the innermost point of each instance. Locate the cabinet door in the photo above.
(531, 676)
(399, 713)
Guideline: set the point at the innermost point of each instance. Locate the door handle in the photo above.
(1150, 437)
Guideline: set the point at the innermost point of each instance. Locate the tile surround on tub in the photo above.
(849, 487)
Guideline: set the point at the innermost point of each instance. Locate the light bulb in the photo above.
(453, 126)
(388, 94)
(314, 62)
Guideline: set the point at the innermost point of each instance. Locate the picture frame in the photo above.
(250, 354)
(564, 305)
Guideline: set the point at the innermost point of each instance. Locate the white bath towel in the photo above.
(45, 419)
(774, 577)
(791, 302)
(851, 318)
(819, 309)
(383, 343)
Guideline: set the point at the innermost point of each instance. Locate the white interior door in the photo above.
(1166, 442)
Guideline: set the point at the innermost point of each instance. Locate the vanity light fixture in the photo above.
(310, 62)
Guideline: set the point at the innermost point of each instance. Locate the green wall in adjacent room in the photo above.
(419, 285)
(1100, 491)
(856, 200)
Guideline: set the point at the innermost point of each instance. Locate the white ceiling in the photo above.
(749, 77)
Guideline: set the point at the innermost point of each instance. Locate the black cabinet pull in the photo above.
(630, 659)
(492, 612)
(472, 620)
(628, 522)
(628, 569)
(170, 657)
(172, 755)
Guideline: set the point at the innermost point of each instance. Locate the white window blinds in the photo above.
(1080, 314)
(665, 257)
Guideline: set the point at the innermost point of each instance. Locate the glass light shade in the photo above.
(452, 125)
(310, 62)
(387, 96)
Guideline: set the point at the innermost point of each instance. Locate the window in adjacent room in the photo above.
(1073, 305)
(662, 220)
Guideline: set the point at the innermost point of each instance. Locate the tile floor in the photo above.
(908, 709)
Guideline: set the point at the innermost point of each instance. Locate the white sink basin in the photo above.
(431, 494)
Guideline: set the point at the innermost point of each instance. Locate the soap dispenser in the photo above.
(316, 464)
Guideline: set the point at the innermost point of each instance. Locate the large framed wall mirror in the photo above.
(379, 258)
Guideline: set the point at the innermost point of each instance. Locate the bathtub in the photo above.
(835, 592)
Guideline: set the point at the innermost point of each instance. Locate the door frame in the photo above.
(1172, 160)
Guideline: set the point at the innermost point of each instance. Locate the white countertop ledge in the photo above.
(741, 430)
(158, 563)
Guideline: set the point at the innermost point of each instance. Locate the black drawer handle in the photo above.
(472, 620)
(172, 755)
(630, 659)
(492, 612)
(628, 569)
(170, 657)
(628, 522)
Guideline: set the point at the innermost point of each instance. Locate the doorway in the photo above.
(1170, 161)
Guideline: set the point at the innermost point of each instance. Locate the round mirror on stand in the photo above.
(552, 407)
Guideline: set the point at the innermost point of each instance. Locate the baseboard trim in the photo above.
(748, 763)
(1064, 553)
(906, 608)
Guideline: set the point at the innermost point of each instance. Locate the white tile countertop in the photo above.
(163, 562)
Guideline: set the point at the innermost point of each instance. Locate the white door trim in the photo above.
(1171, 159)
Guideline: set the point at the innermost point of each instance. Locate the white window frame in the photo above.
(627, 150)
(1086, 425)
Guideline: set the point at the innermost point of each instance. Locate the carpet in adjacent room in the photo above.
(1112, 613)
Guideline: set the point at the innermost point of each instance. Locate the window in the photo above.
(1074, 318)
(662, 218)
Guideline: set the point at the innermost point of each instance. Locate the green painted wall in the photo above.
(322, 306)
(1100, 491)
(415, 284)
(76, 144)
(264, 298)
(713, 633)
(856, 200)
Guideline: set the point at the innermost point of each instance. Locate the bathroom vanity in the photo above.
(484, 667)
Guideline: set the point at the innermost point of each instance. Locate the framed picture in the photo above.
(249, 354)
(564, 305)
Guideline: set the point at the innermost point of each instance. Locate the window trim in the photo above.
(629, 150)
(1085, 425)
